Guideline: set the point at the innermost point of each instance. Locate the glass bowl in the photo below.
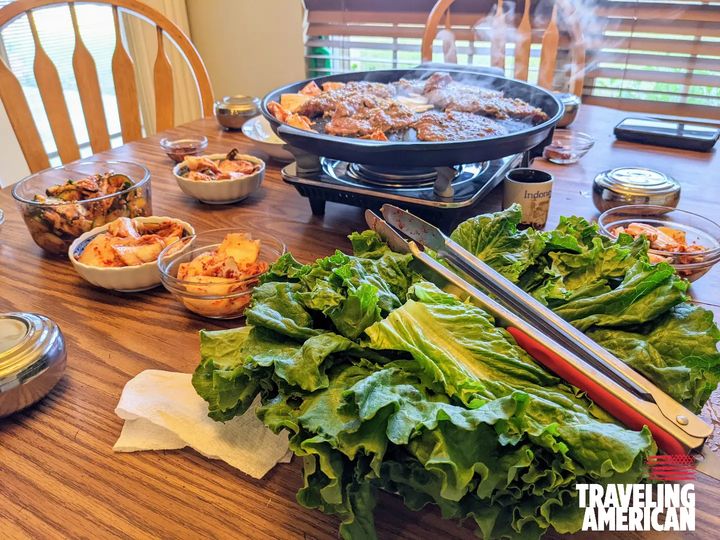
(699, 231)
(54, 225)
(568, 146)
(177, 149)
(215, 300)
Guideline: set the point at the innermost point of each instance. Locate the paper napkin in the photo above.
(162, 411)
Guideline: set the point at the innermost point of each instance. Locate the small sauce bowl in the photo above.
(178, 149)
(568, 147)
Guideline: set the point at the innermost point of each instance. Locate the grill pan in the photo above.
(403, 154)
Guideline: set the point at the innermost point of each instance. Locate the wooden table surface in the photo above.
(58, 474)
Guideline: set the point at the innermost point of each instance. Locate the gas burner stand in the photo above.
(443, 195)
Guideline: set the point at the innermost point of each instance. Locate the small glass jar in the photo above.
(233, 111)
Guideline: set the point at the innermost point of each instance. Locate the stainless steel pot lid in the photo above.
(634, 185)
(32, 359)
(637, 181)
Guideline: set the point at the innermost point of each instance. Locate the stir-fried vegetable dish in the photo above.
(74, 207)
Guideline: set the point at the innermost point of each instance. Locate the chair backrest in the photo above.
(51, 91)
(523, 37)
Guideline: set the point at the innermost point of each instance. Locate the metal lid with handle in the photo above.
(32, 359)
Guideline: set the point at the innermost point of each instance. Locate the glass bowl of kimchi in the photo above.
(215, 277)
(688, 241)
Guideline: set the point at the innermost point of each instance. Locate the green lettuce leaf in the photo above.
(220, 378)
(384, 381)
(646, 292)
(495, 239)
(678, 353)
(277, 306)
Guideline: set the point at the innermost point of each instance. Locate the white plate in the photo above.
(258, 129)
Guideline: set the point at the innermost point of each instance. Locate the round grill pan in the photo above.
(405, 154)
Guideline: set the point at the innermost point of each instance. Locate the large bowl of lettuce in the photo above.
(384, 381)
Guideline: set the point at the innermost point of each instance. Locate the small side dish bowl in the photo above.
(54, 223)
(221, 191)
(702, 234)
(220, 298)
(568, 146)
(179, 149)
(126, 278)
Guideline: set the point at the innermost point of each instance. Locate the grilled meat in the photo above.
(455, 126)
(373, 110)
(445, 93)
(392, 116)
(497, 107)
(455, 93)
(347, 98)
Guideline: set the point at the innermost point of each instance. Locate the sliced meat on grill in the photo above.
(497, 107)
(350, 97)
(437, 80)
(455, 126)
(374, 88)
(445, 93)
(458, 93)
(371, 109)
(409, 86)
(392, 116)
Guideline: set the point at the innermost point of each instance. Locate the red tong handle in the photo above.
(600, 395)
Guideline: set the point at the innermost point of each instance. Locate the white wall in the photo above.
(249, 46)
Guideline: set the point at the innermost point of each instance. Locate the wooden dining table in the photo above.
(59, 477)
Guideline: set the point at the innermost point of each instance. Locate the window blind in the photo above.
(643, 55)
(658, 56)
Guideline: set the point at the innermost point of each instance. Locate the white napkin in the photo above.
(162, 411)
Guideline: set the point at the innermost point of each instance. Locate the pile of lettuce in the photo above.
(608, 289)
(384, 381)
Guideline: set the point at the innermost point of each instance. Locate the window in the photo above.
(55, 31)
(658, 56)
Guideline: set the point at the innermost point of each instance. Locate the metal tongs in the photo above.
(552, 341)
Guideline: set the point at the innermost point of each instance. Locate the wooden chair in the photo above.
(51, 91)
(498, 34)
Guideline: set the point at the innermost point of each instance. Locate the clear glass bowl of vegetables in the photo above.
(61, 203)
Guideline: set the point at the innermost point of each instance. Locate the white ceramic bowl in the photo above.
(222, 191)
(258, 129)
(126, 278)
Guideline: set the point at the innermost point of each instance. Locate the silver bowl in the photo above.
(233, 111)
(32, 359)
(572, 106)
